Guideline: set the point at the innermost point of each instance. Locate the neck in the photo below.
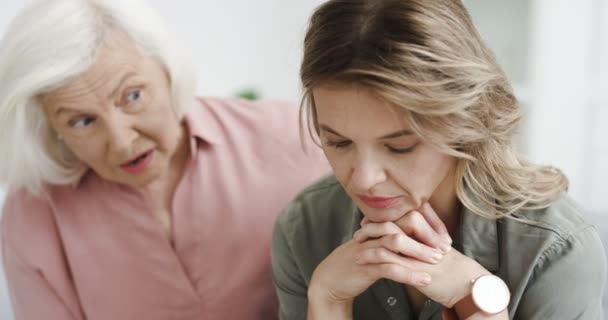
(159, 193)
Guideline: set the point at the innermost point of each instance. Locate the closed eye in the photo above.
(338, 144)
(401, 150)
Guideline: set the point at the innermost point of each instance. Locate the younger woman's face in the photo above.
(383, 166)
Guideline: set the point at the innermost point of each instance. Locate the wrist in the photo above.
(463, 290)
(321, 304)
(488, 297)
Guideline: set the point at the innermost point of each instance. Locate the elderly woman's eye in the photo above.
(81, 122)
(133, 96)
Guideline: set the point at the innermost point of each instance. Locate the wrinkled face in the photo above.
(117, 117)
(384, 167)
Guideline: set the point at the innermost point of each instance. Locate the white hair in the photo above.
(51, 42)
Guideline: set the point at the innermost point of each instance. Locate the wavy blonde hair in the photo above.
(427, 58)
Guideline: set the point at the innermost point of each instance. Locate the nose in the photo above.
(367, 172)
(120, 135)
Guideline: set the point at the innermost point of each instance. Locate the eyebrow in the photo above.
(63, 109)
(120, 84)
(395, 134)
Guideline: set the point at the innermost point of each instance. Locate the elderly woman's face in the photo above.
(383, 166)
(117, 117)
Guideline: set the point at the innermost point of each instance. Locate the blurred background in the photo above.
(555, 52)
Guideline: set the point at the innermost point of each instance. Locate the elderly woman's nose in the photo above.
(120, 133)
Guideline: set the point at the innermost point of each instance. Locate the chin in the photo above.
(149, 178)
(393, 213)
(138, 181)
(383, 215)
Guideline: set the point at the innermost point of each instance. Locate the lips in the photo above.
(137, 159)
(378, 202)
(138, 163)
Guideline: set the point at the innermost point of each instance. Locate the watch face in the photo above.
(490, 294)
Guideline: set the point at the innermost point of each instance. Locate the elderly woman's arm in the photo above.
(39, 280)
(31, 294)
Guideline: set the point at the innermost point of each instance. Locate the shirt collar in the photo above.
(202, 124)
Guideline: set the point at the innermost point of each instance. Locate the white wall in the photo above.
(242, 44)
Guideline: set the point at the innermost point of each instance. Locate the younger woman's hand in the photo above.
(451, 276)
(422, 224)
(344, 274)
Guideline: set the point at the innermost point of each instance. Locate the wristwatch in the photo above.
(489, 295)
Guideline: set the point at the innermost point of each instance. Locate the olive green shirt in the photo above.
(555, 268)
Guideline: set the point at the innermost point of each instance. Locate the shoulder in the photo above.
(562, 231)
(267, 130)
(253, 116)
(561, 220)
(559, 257)
(313, 203)
(28, 226)
(321, 214)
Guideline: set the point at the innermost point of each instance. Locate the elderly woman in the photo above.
(417, 121)
(129, 198)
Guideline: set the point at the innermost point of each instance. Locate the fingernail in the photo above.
(447, 238)
(424, 279)
(445, 248)
(436, 257)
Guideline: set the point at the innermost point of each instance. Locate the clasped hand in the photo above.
(414, 250)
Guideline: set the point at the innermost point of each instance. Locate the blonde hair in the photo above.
(427, 58)
(51, 42)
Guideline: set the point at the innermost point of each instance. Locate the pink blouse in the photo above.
(93, 251)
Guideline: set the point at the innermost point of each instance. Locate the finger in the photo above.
(434, 221)
(416, 226)
(399, 274)
(364, 221)
(381, 255)
(375, 230)
(406, 246)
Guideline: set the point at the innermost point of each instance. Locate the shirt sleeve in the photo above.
(568, 281)
(31, 295)
(39, 283)
(289, 283)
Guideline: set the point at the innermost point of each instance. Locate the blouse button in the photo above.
(391, 301)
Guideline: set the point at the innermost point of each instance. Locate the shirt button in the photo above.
(391, 301)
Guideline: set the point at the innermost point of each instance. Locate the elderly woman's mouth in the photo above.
(139, 163)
